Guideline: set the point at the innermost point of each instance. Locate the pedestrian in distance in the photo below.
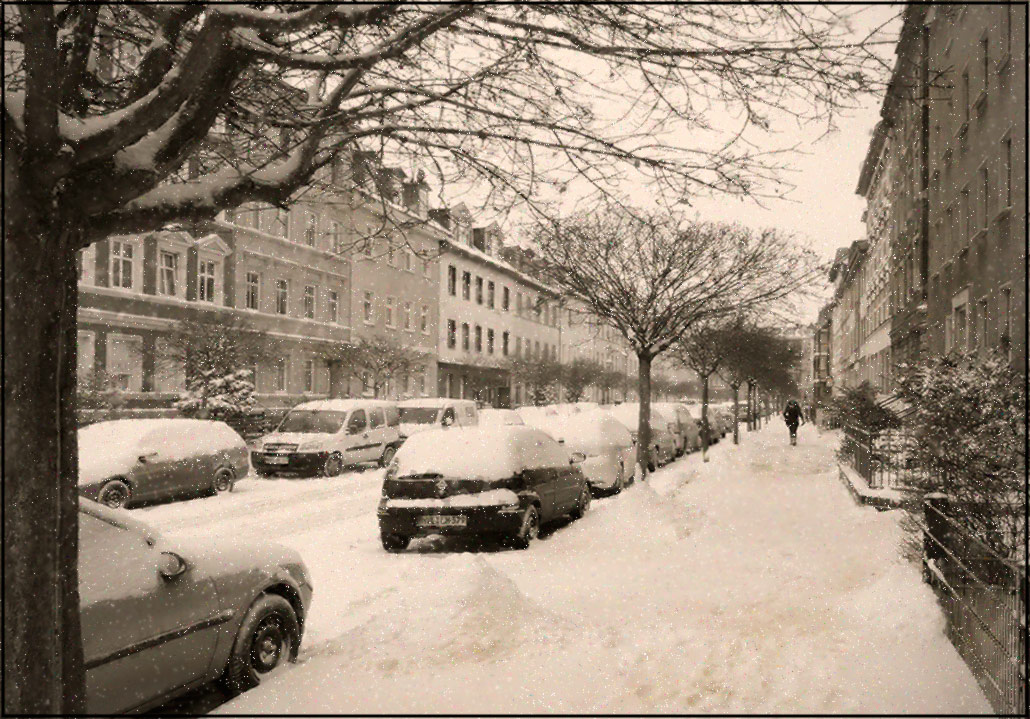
(792, 415)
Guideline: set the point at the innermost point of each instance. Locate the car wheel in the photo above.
(395, 542)
(333, 465)
(620, 480)
(268, 638)
(223, 481)
(115, 494)
(583, 505)
(530, 528)
(387, 457)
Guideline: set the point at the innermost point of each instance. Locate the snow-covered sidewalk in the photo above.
(752, 583)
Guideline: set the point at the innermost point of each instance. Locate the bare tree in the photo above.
(655, 276)
(752, 354)
(702, 348)
(540, 375)
(579, 374)
(108, 111)
(376, 361)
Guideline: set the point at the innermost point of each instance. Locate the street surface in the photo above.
(750, 584)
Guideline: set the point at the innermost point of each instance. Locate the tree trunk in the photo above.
(43, 666)
(736, 430)
(644, 417)
(337, 380)
(750, 410)
(704, 418)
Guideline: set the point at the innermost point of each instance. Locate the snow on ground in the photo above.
(750, 584)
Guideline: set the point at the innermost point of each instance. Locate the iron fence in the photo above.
(984, 599)
(884, 459)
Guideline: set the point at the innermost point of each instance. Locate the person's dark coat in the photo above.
(792, 413)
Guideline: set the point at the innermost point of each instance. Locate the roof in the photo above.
(501, 265)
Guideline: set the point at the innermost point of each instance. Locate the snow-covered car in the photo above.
(124, 462)
(532, 415)
(419, 415)
(663, 445)
(500, 481)
(607, 445)
(686, 429)
(161, 618)
(499, 418)
(324, 436)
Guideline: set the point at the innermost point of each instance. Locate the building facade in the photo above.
(846, 320)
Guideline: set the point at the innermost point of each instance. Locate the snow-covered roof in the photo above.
(489, 453)
(501, 265)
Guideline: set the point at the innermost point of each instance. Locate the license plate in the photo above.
(276, 459)
(441, 520)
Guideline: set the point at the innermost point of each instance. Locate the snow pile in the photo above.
(489, 498)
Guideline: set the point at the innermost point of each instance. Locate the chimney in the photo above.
(363, 164)
(480, 239)
(441, 216)
(416, 195)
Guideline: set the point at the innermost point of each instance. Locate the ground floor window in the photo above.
(125, 361)
(169, 369)
(87, 343)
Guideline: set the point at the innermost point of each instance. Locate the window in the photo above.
(984, 325)
(253, 290)
(518, 304)
(536, 349)
(407, 316)
(966, 99)
(310, 228)
(390, 302)
(985, 195)
(281, 297)
(121, 264)
(336, 236)
(367, 308)
(985, 59)
(506, 300)
(452, 334)
(479, 338)
(490, 341)
(1006, 169)
(1005, 320)
(505, 337)
(479, 290)
(125, 361)
(425, 266)
(168, 273)
(490, 294)
(452, 281)
(206, 281)
(309, 375)
(309, 301)
(518, 346)
(422, 383)
(466, 285)
(407, 260)
(959, 327)
(465, 336)
(280, 222)
(333, 305)
(281, 366)
(423, 322)
(967, 217)
(86, 355)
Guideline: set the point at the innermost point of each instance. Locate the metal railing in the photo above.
(984, 599)
(884, 459)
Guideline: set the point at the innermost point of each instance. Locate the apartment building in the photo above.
(822, 369)
(846, 320)
(585, 336)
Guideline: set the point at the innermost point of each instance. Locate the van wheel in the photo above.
(268, 638)
(333, 465)
(388, 455)
(115, 494)
(223, 481)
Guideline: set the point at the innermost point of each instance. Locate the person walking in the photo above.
(792, 415)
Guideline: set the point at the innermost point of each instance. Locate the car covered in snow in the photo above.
(686, 426)
(663, 444)
(533, 415)
(160, 618)
(126, 462)
(324, 436)
(607, 445)
(500, 418)
(499, 481)
(419, 415)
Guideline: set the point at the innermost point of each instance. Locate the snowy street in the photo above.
(752, 583)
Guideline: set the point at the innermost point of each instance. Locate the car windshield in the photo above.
(310, 421)
(419, 415)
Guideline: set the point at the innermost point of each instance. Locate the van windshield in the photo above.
(419, 415)
(310, 421)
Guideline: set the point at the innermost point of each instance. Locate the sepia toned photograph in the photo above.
(514, 359)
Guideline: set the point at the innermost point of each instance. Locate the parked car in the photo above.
(125, 462)
(160, 618)
(607, 445)
(532, 414)
(324, 436)
(500, 481)
(500, 418)
(684, 427)
(419, 415)
(663, 446)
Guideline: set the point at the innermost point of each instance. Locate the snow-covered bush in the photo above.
(969, 437)
(212, 395)
(857, 407)
(94, 391)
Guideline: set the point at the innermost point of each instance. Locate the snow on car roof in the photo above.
(342, 405)
(499, 417)
(111, 448)
(489, 453)
(590, 432)
(434, 402)
(628, 413)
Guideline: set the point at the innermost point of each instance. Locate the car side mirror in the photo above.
(147, 456)
(353, 429)
(577, 457)
(172, 565)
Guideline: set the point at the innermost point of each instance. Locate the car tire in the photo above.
(115, 494)
(620, 480)
(582, 505)
(530, 529)
(388, 454)
(268, 637)
(223, 481)
(394, 542)
(333, 465)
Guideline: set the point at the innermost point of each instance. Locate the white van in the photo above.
(418, 415)
(323, 437)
